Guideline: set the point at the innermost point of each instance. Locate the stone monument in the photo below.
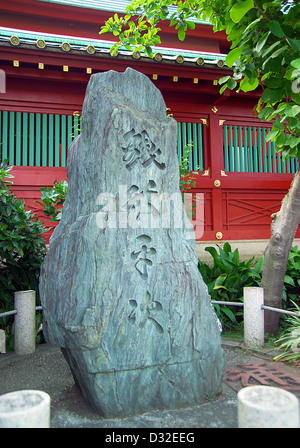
(120, 287)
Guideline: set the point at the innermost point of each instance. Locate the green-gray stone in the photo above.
(127, 305)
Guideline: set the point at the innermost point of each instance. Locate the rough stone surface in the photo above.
(127, 305)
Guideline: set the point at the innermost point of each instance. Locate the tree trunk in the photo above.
(283, 230)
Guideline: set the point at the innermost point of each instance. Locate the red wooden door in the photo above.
(244, 180)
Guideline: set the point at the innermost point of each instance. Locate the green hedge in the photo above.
(22, 250)
(228, 275)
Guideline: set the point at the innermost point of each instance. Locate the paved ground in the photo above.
(47, 370)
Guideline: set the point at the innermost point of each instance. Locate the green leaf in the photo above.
(229, 314)
(231, 84)
(181, 33)
(296, 63)
(248, 85)
(274, 83)
(220, 280)
(279, 51)
(259, 264)
(191, 25)
(289, 280)
(294, 43)
(270, 48)
(238, 10)
(232, 56)
(165, 10)
(272, 134)
(224, 79)
(261, 43)
(276, 29)
(223, 88)
(272, 95)
(265, 112)
(292, 111)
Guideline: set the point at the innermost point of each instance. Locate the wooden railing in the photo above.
(33, 139)
(246, 150)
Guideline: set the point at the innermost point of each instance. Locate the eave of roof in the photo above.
(110, 5)
(17, 37)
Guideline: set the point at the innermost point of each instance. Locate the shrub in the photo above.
(289, 342)
(22, 248)
(228, 276)
(226, 279)
(291, 291)
(53, 199)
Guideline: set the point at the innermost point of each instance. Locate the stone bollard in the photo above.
(25, 331)
(2, 342)
(267, 407)
(254, 333)
(25, 409)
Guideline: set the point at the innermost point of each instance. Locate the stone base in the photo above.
(163, 387)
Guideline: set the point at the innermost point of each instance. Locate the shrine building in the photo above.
(50, 48)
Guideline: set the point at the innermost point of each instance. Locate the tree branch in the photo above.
(262, 11)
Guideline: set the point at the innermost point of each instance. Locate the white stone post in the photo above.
(2, 342)
(254, 332)
(25, 331)
(25, 409)
(267, 407)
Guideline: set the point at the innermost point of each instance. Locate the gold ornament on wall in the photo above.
(200, 61)
(40, 43)
(14, 40)
(90, 49)
(180, 59)
(136, 55)
(158, 57)
(66, 46)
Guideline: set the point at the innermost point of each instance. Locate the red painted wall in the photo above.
(239, 208)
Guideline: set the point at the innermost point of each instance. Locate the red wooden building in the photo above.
(50, 48)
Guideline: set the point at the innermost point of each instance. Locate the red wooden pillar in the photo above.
(216, 165)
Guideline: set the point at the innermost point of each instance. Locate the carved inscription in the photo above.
(147, 310)
(138, 147)
(140, 199)
(131, 205)
(143, 255)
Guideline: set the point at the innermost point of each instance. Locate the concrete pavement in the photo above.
(47, 370)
